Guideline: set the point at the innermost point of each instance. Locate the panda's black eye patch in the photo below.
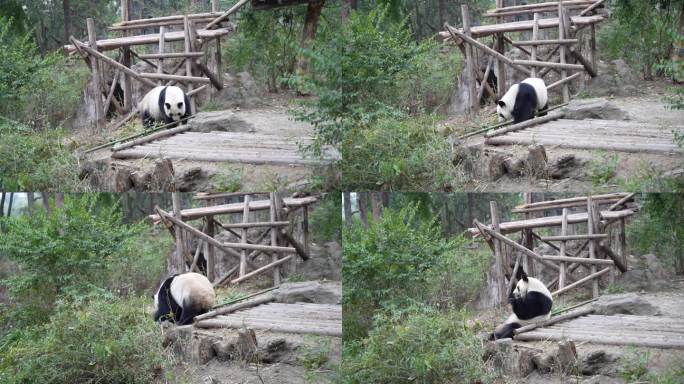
(180, 105)
(168, 106)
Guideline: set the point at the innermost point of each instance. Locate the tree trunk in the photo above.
(347, 208)
(46, 202)
(347, 7)
(313, 15)
(59, 200)
(2, 204)
(67, 20)
(30, 200)
(362, 198)
(442, 13)
(678, 51)
(9, 206)
(376, 205)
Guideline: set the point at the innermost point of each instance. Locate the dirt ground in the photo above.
(630, 170)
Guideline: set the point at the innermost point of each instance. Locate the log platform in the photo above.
(233, 147)
(302, 318)
(645, 331)
(608, 135)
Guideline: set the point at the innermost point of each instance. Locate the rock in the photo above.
(123, 181)
(492, 165)
(309, 292)
(543, 361)
(624, 304)
(247, 345)
(224, 121)
(524, 363)
(614, 78)
(580, 109)
(595, 362)
(566, 356)
(240, 91)
(648, 274)
(563, 166)
(190, 179)
(276, 350)
(226, 349)
(161, 178)
(510, 359)
(536, 160)
(325, 262)
(600, 379)
(514, 166)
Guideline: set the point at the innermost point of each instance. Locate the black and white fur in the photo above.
(523, 100)
(531, 302)
(166, 104)
(182, 297)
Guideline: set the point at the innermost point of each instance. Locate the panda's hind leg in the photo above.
(188, 315)
(147, 119)
(542, 112)
(504, 331)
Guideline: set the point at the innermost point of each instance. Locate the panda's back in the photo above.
(150, 102)
(194, 287)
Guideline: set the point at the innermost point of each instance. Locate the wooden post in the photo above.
(592, 244)
(177, 263)
(563, 49)
(535, 37)
(564, 231)
(528, 240)
(592, 44)
(274, 239)
(160, 63)
(622, 241)
(215, 6)
(498, 257)
(243, 239)
(126, 60)
(305, 229)
(188, 69)
(219, 62)
(501, 48)
(470, 63)
(95, 85)
(211, 261)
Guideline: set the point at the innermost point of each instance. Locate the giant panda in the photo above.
(166, 104)
(182, 297)
(531, 302)
(523, 100)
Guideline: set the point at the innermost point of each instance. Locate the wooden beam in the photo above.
(236, 307)
(549, 4)
(152, 137)
(274, 236)
(525, 124)
(581, 260)
(119, 42)
(593, 276)
(301, 251)
(225, 15)
(256, 224)
(261, 270)
(551, 64)
(188, 79)
(170, 55)
(553, 320)
(95, 79)
(591, 7)
(527, 25)
(591, 227)
(574, 237)
(534, 42)
(563, 80)
(535, 37)
(498, 256)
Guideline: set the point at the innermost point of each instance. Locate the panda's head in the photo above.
(174, 103)
(504, 107)
(523, 284)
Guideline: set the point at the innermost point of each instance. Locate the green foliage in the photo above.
(35, 160)
(602, 170)
(64, 255)
(363, 71)
(395, 263)
(397, 154)
(326, 218)
(313, 358)
(41, 91)
(659, 228)
(423, 347)
(634, 366)
(267, 44)
(641, 32)
(229, 179)
(100, 340)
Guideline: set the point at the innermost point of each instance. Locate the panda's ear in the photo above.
(501, 104)
(521, 275)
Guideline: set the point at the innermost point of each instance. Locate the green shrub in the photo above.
(63, 255)
(397, 154)
(35, 160)
(395, 263)
(420, 348)
(104, 340)
(325, 219)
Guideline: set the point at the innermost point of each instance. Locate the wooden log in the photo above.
(219, 61)
(498, 257)
(214, 196)
(622, 201)
(110, 94)
(180, 244)
(592, 244)
(259, 247)
(509, 41)
(152, 137)
(162, 43)
(113, 63)
(591, 7)
(574, 237)
(515, 245)
(274, 236)
(195, 259)
(243, 236)
(236, 307)
(560, 203)
(525, 124)
(488, 50)
(214, 79)
(211, 256)
(301, 250)
(188, 79)
(225, 15)
(284, 328)
(197, 90)
(563, 80)
(483, 83)
(261, 270)
(550, 4)
(256, 205)
(618, 262)
(518, 26)
(561, 35)
(470, 63)
(593, 276)
(509, 288)
(576, 67)
(535, 42)
(563, 267)
(256, 224)
(120, 42)
(170, 55)
(601, 339)
(201, 235)
(553, 320)
(215, 6)
(158, 24)
(535, 10)
(580, 260)
(585, 63)
(95, 79)
(162, 19)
